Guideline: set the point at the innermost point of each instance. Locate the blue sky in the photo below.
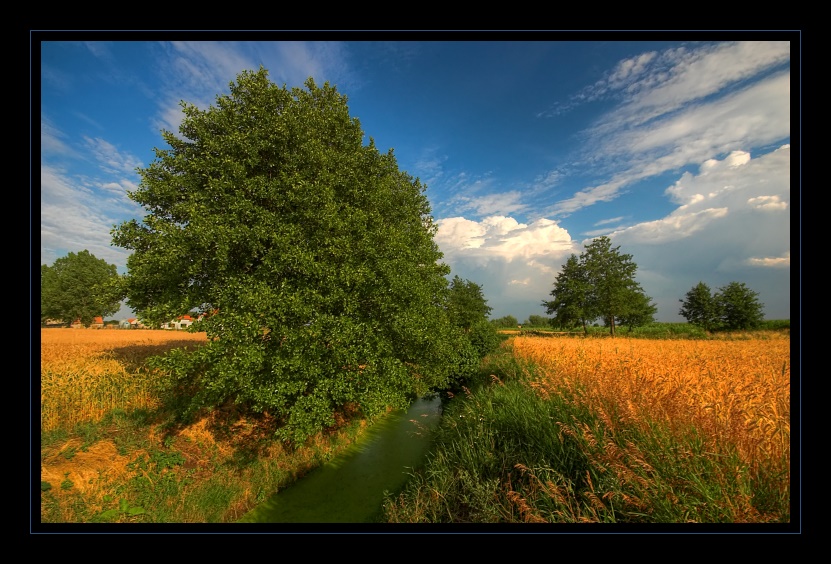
(530, 145)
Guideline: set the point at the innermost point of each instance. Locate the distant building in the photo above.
(97, 323)
(181, 322)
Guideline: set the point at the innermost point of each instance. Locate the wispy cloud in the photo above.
(53, 141)
(71, 215)
(736, 186)
(111, 160)
(683, 107)
(771, 262)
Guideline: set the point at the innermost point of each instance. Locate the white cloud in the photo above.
(737, 181)
(732, 223)
(501, 238)
(52, 139)
(658, 84)
(771, 262)
(512, 261)
(74, 218)
(767, 203)
(112, 160)
(610, 220)
(674, 227)
(680, 112)
(731, 189)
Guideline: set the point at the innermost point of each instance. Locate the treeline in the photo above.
(600, 284)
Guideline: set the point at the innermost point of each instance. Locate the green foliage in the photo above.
(468, 310)
(538, 321)
(739, 307)
(67, 484)
(313, 250)
(775, 324)
(505, 454)
(507, 322)
(484, 337)
(79, 286)
(699, 307)
(466, 303)
(124, 508)
(640, 312)
(733, 307)
(600, 283)
(571, 294)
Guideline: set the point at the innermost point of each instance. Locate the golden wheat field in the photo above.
(733, 392)
(87, 372)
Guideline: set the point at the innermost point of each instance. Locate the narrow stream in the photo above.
(350, 488)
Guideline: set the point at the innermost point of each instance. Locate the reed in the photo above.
(600, 430)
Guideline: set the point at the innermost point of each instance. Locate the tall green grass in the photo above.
(505, 454)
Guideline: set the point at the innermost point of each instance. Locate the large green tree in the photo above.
(469, 311)
(572, 292)
(640, 311)
(600, 283)
(699, 307)
(313, 251)
(733, 307)
(79, 286)
(739, 307)
(467, 304)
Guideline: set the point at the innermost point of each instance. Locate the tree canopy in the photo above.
(314, 252)
(571, 294)
(79, 286)
(600, 283)
(469, 311)
(467, 304)
(699, 307)
(733, 307)
(506, 321)
(538, 321)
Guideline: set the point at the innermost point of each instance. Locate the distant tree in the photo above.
(700, 308)
(572, 296)
(538, 321)
(611, 275)
(466, 303)
(739, 307)
(315, 250)
(79, 286)
(600, 283)
(640, 311)
(468, 309)
(507, 321)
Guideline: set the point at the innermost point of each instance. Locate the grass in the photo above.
(631, 430)
(124, 458)
(586, 434)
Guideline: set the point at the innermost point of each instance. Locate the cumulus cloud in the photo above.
(501, 238)
(513, 261)
(736, 189)
(732, 223)
(768, 203)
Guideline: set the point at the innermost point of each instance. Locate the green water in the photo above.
(350, 488)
